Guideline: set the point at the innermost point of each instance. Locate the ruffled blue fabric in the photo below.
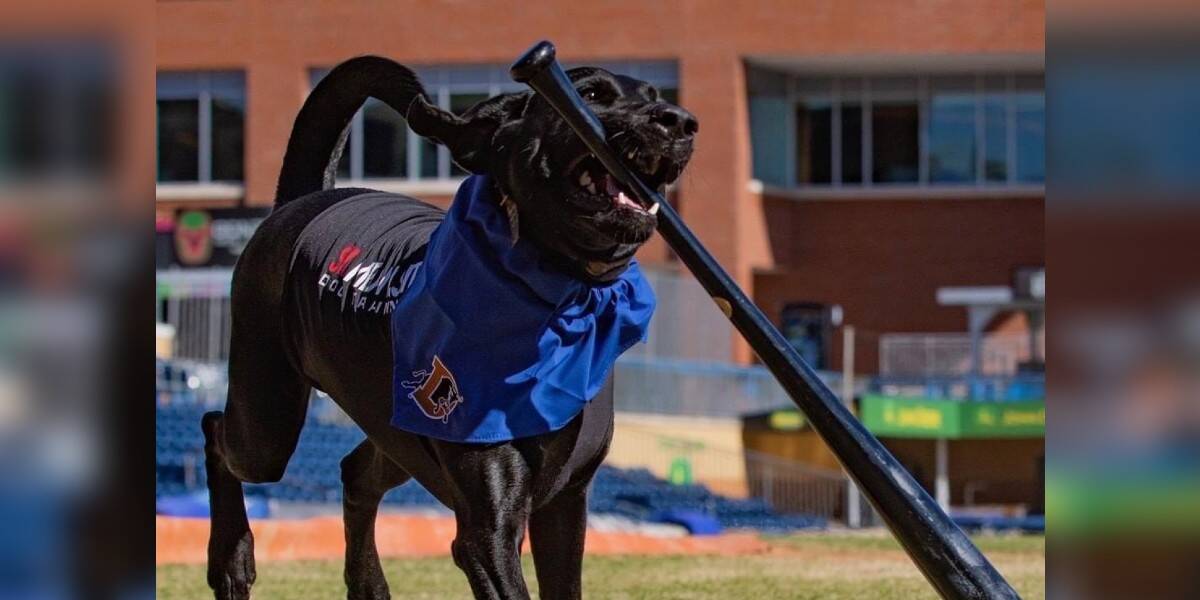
(491, 343)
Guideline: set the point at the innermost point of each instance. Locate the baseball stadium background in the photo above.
(873, 173)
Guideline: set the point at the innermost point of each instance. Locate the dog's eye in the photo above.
(598, 95)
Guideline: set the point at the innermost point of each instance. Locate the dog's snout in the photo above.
(677, 121)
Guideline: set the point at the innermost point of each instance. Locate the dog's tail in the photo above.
(321, 128)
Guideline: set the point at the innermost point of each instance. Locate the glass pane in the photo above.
(895, 133)
(385, 141)
(952, 133)
(227, 139)
(178, 140)
(995, 132)
(459, 103)
(768, 139)
(814, 149)
(852, 121)
(1031, 137)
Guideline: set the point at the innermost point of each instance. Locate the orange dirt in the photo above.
(181, 540)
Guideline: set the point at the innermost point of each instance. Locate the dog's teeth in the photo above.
(654, 209)
(630, 155)
(591, 187)
(585, 179)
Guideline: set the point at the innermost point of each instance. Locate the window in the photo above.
(201, 118)
(381, 146)
(995, 130)
(1030, 129)
(952, 148)
(814, 138)
(895, 129)
(58, 109)
(980, 130)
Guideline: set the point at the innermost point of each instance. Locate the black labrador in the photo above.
(557, 195)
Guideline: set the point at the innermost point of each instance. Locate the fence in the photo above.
(687, 324)
(195, 303)
(679, 387)
(682, 368)
(948, 354)
(787, 486)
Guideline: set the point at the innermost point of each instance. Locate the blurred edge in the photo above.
(76, 203)
(1123, 221)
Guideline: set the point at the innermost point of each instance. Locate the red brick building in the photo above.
(852, 153)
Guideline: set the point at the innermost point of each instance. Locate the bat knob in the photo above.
(534, 61)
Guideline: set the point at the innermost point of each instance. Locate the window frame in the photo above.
(831, 88)
(443, 81)
(202, 86)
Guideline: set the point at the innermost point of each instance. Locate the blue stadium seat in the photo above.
(314, 475)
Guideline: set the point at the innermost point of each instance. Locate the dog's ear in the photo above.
(471, 136)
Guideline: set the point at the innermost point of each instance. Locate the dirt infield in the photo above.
(184, 541)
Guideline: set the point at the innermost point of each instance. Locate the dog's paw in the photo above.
(231, 576)
(365, 580)
(375, 590)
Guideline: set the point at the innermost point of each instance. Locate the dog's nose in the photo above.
(675, 120)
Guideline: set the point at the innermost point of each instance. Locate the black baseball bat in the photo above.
(943, 553)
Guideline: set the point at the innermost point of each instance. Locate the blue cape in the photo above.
(491, 343)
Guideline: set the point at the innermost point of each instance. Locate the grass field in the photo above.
(868, 565)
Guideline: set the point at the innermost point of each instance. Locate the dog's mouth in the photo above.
(601, 191)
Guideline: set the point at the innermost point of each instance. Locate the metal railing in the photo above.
(787, 486)
(680, 387)
(687, 324)
(948, 354)
(196, 303)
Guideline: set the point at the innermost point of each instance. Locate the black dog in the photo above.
(294, 329)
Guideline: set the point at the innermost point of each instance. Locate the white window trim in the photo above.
(197, 190)
(399, 185)
(897, 191)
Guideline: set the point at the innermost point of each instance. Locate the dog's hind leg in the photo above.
(250, 442)
(366, 476)
(230, 543)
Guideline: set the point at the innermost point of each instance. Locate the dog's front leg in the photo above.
(366, 476)
(556, 533)
(491, 506)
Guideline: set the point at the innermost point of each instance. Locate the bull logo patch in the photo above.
(435, 391)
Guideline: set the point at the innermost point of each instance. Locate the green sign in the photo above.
(893, 416)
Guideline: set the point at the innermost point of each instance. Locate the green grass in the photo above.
(852, 565)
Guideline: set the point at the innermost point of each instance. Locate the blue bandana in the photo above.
(490, 343)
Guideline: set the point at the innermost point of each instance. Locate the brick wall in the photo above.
(276, 43)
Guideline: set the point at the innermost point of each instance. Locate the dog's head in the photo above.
(565, 201)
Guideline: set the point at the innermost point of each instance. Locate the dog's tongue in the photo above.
(614, 191)
(610, 185)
